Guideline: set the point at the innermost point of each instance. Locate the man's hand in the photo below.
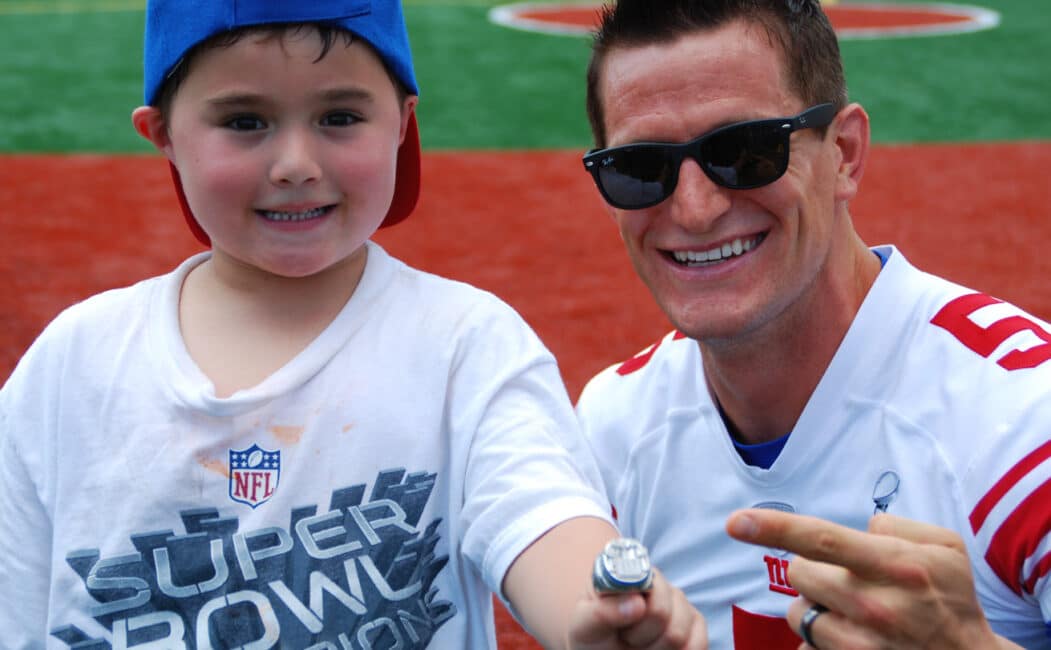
(660, 619)
(903, 584)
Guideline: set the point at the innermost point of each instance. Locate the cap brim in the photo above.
(407, 181)
(195, 227)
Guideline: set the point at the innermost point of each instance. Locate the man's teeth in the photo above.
(730, 249)
(293, 216)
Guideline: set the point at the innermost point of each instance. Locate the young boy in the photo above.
(294, 440)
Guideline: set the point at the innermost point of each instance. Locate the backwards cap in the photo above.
(174, 27)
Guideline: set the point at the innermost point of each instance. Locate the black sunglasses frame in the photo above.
(673, 154)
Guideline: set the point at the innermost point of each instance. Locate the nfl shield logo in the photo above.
(254, 473)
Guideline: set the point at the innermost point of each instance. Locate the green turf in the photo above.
(68, 81)
(70, 76)
(988, 85)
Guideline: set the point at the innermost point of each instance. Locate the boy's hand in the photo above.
(902, 584)
(660, 619)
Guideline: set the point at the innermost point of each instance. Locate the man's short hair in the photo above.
(799, 28)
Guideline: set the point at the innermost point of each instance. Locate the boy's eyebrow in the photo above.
(236, 99)
(349, 93)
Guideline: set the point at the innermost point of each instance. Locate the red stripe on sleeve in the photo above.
(1008, 481)
(1039, 571)
(1019, 537)
(637, 361)
(642, 358)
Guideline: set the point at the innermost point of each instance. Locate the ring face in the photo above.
(817, 609)
(624, 565)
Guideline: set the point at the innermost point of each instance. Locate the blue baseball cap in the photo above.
(174, 27)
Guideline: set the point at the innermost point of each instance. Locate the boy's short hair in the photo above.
(175, 27)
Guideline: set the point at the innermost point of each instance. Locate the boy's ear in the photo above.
(408, 107)
(150, 124)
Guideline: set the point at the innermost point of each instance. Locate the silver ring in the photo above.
(805, 623)
(622, 566)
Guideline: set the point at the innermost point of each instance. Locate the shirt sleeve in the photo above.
(1011, 516)
(25, 546)
(529, 468)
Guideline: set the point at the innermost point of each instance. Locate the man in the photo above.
(810, 378)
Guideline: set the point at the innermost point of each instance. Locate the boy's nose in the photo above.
(295, 161)
(697, 201)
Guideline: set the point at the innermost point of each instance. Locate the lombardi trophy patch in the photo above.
(254, 474)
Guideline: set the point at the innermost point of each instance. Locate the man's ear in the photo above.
(150, 124)
(851, 129)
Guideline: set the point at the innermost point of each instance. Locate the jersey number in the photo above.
(954, 317)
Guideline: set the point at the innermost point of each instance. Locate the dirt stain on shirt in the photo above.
(213, 465)
(288, 435)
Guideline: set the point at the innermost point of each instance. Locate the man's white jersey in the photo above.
(936, 406)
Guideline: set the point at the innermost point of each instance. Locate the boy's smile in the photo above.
(302, 215)
(287, 160)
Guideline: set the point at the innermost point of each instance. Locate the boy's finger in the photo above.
(598, 620)
(652, 625)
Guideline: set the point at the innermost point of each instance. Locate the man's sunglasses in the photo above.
(739, 156)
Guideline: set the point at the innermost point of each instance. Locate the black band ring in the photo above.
(817, 609)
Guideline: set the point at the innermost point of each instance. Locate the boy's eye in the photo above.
(245, 123)
(339, 118)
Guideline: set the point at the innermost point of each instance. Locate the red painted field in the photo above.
(528, 226)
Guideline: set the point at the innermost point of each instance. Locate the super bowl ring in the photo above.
(623, 566)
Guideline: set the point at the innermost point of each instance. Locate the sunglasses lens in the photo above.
(635, 177)
(746, 156)
(740, 157)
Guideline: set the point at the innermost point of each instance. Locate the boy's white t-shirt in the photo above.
(371, 493)
(938, 400)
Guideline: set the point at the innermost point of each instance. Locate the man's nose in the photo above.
(697, 201)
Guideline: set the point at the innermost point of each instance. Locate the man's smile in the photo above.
(733, 248)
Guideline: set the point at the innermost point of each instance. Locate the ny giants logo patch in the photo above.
(254, 474)
(777, 570)
(777, 559)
